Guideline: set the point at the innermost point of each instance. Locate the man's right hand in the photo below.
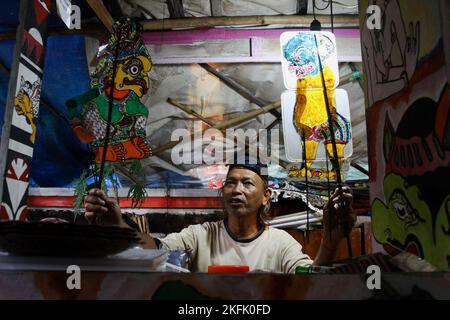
(101, 209)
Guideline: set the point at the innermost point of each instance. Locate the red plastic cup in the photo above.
(228, 269)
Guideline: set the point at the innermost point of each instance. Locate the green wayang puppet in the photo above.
(88, 112)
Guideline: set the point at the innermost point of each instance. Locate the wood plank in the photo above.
(102, 13)
(204, 22)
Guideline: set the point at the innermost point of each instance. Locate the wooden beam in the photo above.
(216, 8)
(96, 29)
(205, 22)
(176, 9)
(238, 88)
(102, 13)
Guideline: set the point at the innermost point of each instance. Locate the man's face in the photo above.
(244, 192)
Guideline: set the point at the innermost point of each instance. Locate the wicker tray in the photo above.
(64, 239)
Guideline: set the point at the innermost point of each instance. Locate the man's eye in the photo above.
(248, 183)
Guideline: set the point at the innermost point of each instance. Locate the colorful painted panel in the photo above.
(129, 114)
(19, 133)
(408, 128)
(308, 131)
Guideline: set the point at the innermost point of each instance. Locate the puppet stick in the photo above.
(306, 183)
(110, 106)
(334, 161)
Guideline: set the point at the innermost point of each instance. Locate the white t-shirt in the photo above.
(274, 250)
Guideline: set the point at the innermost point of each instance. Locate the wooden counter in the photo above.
(128, 285)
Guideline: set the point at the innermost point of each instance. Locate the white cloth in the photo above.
(274, 250)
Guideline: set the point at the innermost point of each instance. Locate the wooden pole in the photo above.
(210, 22)
(102, 13)
(186, 109)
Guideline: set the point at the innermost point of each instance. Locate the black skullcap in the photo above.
(250, 163)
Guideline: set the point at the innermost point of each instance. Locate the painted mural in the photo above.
(305, 117)
(22, 108)
(129, 114)
(409, 129)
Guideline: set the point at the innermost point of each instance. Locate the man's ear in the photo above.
(267, 194)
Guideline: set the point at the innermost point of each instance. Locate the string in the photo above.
(314, 9)
(332, 16)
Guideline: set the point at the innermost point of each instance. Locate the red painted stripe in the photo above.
(151, 202)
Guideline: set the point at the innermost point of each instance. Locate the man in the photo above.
(242, 238)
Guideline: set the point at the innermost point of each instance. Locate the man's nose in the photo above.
(237, 189)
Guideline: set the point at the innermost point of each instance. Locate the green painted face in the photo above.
(405, 223)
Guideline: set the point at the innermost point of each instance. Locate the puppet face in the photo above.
(132, 75)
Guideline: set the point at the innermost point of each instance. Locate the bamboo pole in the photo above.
(96, 29)
(224, 124)
(237, 87)
(211, 124)
(204, 22)
(186, 109)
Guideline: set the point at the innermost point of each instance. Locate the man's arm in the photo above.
(101, 209)
(342, 212)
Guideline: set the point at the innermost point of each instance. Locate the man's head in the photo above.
(246, 191)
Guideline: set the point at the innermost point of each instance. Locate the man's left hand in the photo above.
(342, 217)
